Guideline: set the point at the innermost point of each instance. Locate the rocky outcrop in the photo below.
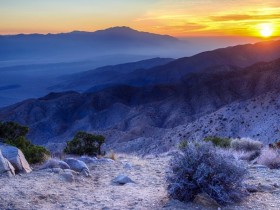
(6, 167)
(16, 158)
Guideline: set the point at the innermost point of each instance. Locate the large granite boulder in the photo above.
(6, 167)
(16, 158)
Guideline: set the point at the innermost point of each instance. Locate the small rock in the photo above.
(127, 166)
(205, 200)
(55, 163)
(88, 160)
(57, 170)
(69, 177)
(86, 173)
(76, 165)
(276, 185)
(258, 166)
(252, 188)
(265, 188)
(105, 160)
(71, 171)
(122, 180)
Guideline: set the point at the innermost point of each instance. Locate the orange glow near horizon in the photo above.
(179, 18)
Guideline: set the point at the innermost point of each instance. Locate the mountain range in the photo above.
(81, 45)
(226, 92)
(35, 62)
(173, 71)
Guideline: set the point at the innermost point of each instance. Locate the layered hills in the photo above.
(215, 97)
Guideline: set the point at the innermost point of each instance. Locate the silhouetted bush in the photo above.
(14, 134)
(12, 130)
(85, 144)
(218, 141)
(201, 168)
(246, 144)
(270, 158)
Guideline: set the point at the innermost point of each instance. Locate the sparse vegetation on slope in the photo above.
(201, 168)
(218, 141)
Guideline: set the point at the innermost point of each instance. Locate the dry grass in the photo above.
(112, 155)
(246, 144)
(270, 158)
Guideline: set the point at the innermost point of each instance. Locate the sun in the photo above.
(266, 30)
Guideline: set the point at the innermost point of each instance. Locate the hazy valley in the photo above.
(126, 119)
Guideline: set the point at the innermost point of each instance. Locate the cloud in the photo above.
(234, 17)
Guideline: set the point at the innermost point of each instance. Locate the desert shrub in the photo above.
(183, 144)
(246, 144)
(33, 153)
(201, 168)
(14, 134)
(85, 144)
(270, 158)
(12, 130)
(218, 141)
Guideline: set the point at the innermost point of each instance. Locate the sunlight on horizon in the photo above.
(177, 18)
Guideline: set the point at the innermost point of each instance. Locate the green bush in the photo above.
(218, 141)
(85, 144)
(12, 130)
(14, 134)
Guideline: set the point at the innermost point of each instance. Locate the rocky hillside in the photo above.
(210, 102)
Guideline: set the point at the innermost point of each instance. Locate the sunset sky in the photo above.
(175, 17)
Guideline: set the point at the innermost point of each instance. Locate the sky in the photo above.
(181, 18)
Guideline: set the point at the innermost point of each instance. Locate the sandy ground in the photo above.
(49, 190)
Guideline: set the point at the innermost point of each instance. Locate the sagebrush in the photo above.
(246, 144)
(270, 158)
(201, 168)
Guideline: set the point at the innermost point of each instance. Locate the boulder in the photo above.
(88, 160)
(16, 158)
(122, 179)
(55, 163)
(6, 167)
(77, 165)
(68, 177)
